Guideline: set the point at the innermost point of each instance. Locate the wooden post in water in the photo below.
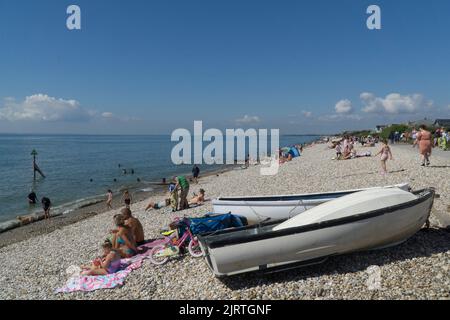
(35, 166)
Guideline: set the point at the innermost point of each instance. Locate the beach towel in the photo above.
(110, 281)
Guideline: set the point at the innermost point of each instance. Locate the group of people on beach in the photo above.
(177, 196)
(345, 147)
(45, 201)
(124, 241)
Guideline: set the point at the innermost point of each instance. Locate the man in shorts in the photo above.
(182, 184)
(46, 204)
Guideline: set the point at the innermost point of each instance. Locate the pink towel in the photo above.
(92, 283)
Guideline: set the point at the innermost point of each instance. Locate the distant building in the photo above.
(418, 123)
(380, 128)
(442, 123)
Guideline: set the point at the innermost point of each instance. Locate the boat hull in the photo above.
(273, 249)
(263, 208)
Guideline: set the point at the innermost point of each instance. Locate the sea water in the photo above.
(79, 169)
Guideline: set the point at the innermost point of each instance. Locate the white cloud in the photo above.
(343, 107)
(394, 103)
(248, 119)
(340, 117)
(108, 115)
(41, 107)
(307, 114)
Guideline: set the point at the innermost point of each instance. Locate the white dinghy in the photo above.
(264, 208)
(364, 220)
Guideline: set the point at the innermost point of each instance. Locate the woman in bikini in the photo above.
(122, 239)
(385, 155)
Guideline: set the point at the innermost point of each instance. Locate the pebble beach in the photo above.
(417, 269)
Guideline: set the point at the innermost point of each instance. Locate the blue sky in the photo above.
(143, 67)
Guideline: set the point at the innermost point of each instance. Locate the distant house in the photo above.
(425, 122)
(380, 128)
(442, 123)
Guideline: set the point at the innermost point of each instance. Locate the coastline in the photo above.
(85, 211)
(13, 230)
(37, 265)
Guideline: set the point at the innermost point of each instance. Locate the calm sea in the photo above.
(79, 169)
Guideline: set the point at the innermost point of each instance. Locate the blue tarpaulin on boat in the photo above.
(210, 223)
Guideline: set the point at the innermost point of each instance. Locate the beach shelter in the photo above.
(294, 152)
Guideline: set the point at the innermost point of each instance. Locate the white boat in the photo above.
(365, 220)
(257, 209)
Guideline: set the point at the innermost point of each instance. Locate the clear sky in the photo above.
(150, 66)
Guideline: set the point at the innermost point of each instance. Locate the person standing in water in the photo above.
(46, 204)
(126, 198)
(109, 199)
(32, 197)
(385, 155)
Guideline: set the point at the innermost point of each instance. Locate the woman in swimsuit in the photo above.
(109, 263)
(198, 199)
(385, 155)
(123, 239)
(126, 198)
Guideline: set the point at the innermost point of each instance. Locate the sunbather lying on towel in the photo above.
(108, 263)
(158, 205)
(198, 199)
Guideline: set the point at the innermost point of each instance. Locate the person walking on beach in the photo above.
(126, 198)
(423, 139)
(46, 204)
(109, 199)
(195, 173)
(182, 184)
(385, 155)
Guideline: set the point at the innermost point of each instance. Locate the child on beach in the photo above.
(107, 264)
(173, 197)
(109, 200)
(338, 151)
(46, 204)
(385, 155)
(126, 198)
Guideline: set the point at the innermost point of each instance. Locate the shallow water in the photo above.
(71, 161)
